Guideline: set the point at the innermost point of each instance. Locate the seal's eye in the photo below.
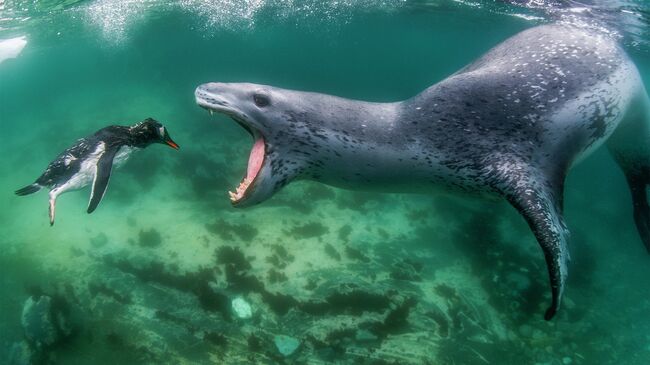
(261, 100)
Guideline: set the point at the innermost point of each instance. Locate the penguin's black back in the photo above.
(68, 162)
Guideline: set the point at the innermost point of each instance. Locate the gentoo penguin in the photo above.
(91, 159)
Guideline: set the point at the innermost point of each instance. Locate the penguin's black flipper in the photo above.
(29, 189)
(102, 175)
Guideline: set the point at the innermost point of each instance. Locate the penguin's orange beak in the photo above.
(168, 140)
(172, 144)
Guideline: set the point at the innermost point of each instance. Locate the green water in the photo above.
(357, 278)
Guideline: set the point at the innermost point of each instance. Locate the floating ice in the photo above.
(241, 308)
(11, 48)
(286, 345)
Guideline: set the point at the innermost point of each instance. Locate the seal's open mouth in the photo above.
(255, 163)
(257, 153)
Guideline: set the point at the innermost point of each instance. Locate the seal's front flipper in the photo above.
(542, 210)
(102, 175)
(630, 147)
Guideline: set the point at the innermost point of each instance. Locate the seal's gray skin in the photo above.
(511, 124)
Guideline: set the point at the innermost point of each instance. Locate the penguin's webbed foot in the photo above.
(51, 211)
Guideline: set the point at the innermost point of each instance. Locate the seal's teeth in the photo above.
(241, 190)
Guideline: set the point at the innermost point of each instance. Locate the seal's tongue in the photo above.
(256, 159)
(255, 162)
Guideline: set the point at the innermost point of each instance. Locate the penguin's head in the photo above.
(152, 131)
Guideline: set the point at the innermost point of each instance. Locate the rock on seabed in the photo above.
(286, 345)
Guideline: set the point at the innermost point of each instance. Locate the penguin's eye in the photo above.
(161, 131)
(261, 100)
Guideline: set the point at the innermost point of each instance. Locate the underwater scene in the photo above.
(297, 267)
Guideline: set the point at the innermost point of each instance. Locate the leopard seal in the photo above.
(510, 124)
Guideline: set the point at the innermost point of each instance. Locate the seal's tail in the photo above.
(29, 189)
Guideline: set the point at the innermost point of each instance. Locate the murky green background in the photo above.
(355, 277)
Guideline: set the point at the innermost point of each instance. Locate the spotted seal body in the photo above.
(510, 124)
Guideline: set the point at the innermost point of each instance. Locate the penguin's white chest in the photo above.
(122, 155)
(88, 168)
(86, 172)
